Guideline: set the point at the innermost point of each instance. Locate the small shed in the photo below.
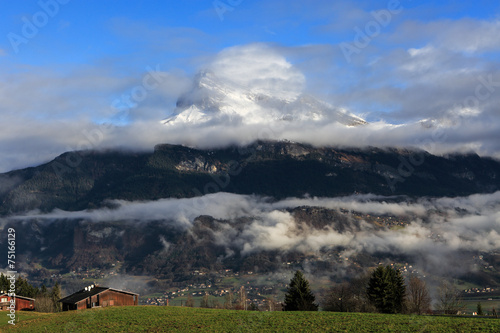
(96, 296)
(22, 303)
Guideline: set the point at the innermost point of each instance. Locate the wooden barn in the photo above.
(22, 303)
(96, 296)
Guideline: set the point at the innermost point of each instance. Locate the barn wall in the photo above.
(21, 304)
(113, 298)
(24, 304)
(82, 304)
(105, 298)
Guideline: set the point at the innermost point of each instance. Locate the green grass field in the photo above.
(177, 319)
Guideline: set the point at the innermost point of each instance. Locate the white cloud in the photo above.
(465, 35)
(42, 141)
(260, 68)
(53, 111)
(468, 35)
(439, 226)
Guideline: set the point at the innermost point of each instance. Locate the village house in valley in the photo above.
(96, 296)
(22, 303)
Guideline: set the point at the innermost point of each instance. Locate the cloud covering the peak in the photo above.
(261, 69)
(431, 83)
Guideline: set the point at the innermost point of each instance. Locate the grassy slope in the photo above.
(177, 319)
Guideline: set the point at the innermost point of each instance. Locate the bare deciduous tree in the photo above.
(450, 300)
(349, 297)
(216, 304)
(44, 304)
(272, 305)
(417, 297)
(242, 299)
(190, 301)
(204, 301)
(228, 303)
(341, 298)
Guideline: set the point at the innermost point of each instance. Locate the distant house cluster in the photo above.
(479, 290)
(95, 296)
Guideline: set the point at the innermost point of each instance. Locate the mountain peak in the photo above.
(215, 100)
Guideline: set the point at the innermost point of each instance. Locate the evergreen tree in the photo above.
(43, 290)
(253, 307)
(4, 283)
(479, 309)
(386, 290)
(55, 295)
(299, 296)
(24, 288)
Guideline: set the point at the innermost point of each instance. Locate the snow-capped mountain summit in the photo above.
(212, 100)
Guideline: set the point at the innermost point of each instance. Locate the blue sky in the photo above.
(83, 55)
(85, 32)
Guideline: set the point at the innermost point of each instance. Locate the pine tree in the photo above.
(299, 296)
(43, 290)
(253, 307)
(24, 288)
(386, 290)
(4, 283)
(55, 295)
(479, 309)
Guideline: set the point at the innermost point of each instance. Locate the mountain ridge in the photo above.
(269, 168)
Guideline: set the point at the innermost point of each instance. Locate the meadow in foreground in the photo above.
(182, 319)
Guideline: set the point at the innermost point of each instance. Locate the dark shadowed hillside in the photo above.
(82, 180)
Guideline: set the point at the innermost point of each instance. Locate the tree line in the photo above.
(383, 291)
